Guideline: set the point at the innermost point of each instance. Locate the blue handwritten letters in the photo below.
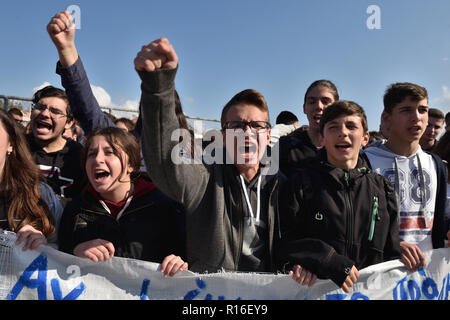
(38, 281)
(39, 265)
(408, 289)
(414, 290)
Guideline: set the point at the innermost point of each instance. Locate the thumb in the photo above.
(169, 52)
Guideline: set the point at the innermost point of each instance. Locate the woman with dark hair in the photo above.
(28, 206)
(121, 212)
(301, 144)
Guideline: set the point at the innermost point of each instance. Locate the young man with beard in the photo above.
(231, 207)
(57, 157)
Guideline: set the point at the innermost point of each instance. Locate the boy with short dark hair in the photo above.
(57, 157)
(419, 177)
(428, 141)
(337, 216)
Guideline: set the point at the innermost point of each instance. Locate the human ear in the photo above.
(321, 139)
(268, 136)
(365, 140)
(68, 124)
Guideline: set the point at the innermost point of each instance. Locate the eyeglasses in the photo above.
(259, 126)
(42, 107)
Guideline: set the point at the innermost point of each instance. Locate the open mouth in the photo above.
(415, 130)
(101, 175)
(317, 117)
(343, 146)
(43, 127)
(247, 148)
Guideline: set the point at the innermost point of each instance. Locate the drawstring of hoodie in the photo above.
(426, 214)
(397, 189)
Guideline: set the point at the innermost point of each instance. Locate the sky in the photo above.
(276, 47)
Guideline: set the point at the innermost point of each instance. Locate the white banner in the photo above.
(48, 274)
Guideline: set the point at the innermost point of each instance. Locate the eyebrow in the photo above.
(347, 122)
(331, 122)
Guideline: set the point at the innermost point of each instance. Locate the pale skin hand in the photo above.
(303, 276)
(62, 32)
(350, 280)
(32, 237)
(158, 54)
(172, 264)
(412, 256)
(96, 250)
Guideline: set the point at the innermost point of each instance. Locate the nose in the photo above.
(100, 157)
(415, 116)
(247, 127)
(45, 113)
(319, 105)
(343, 131)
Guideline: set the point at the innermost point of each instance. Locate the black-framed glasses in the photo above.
(258, 126)
(53, 111)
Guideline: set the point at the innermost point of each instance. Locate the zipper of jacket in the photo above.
(350, 220)
(374, 217)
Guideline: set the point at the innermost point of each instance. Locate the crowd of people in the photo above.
(343, 198)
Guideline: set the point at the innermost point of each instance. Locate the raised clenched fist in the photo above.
(61, 30)
(159, 54)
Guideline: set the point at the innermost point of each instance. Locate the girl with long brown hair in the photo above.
(28, 206)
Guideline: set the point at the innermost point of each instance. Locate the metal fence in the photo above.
(25, 104)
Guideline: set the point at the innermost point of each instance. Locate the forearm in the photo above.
(68, 55)
(185, 183)
(83, 103)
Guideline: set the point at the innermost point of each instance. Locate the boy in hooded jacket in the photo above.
(419, 177)
(337, 216)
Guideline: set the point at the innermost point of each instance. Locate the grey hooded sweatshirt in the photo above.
(210, 193)
(418, 181)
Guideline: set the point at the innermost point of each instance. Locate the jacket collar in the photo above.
(341, 176)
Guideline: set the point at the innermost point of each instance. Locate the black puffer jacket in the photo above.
(151, 227)
(295, 149)
(332, 219)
